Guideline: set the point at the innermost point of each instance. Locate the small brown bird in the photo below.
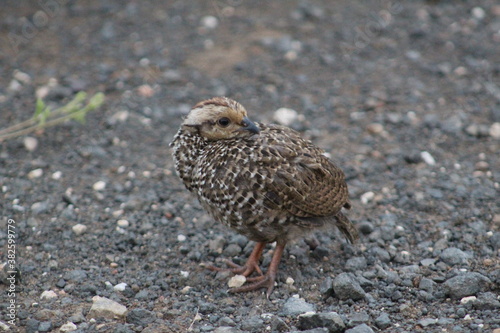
(264, 181)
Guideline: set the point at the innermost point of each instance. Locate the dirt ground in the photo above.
(405, 96)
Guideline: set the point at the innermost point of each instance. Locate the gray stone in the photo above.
(253, 324)
(355, 264)
(383, 321)
(453, 256)
(330, 320)
(427, 322)
(358, 318)
(77, 275)
(326, 286)
(487, 301)
(466, 284)
(381, 254)
(363, 328)
(226, 329)
(106, 308)
(427, 285)
(313, 330)
(347, 287)
(232, 250)
(295, 306)
(45, 326)
(140, 317)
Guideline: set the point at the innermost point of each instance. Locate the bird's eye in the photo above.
(223, 122)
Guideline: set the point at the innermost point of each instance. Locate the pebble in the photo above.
(227, 329)
(478, 13)
(232, 250)
(36, 173)
(120, 286)
(56, 175)
(375, 128)
(181, 238)
(40, 207)
(466, 284)
(103, 307)
(68, 327)
(427, 322)
(295, 306)
(285, 116)
(487, 301)
(79, 229)
(30, 143)
(468, 299)
(363, 328)
(383, 321)
(253, 324)
(495, 130)
(355, 264)
(428, 158)
(367, 197)
(209, 22)
(330, 320)
(236, 281)
(140, 317)
(48, 294)
(99, 185)
(453, 256)
(76, 275)
(346, 286)
(45, 326)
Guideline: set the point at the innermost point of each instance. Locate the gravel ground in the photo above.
(405, 96)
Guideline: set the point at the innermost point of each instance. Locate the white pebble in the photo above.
(367, 197)
(209, 22)
(37, 173)
(21, 76)
(495, 130)
(14, 85)
(375, 128)
(285, 116)
(99, 185)
(122, 223)
(468, 299)
(79, 229)
(68, 327)
(478, 13)
(428, 158)
(30, 143)
(186, 289)
(236, 281)
(120, 286)
(289, 281)
(184, 274)
(467, 317)
(48, 294)
(181, 238)
(57, 175)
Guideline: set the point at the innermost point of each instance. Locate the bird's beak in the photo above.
(249, 125)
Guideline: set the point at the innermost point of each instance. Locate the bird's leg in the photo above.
(252, 264)
(265, 281)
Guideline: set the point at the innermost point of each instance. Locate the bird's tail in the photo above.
(345, 225)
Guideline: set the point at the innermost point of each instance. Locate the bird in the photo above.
(264, 181)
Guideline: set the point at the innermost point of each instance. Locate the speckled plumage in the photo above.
(264, 181)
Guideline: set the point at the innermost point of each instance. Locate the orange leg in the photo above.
(252, 264)
(264, 281)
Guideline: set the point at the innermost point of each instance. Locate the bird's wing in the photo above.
(305, 183)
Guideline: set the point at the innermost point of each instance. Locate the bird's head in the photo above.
(219, 118)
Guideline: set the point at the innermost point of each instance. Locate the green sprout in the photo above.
(45, 117)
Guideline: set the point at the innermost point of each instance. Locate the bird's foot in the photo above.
(246, 270)
(258, 282)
